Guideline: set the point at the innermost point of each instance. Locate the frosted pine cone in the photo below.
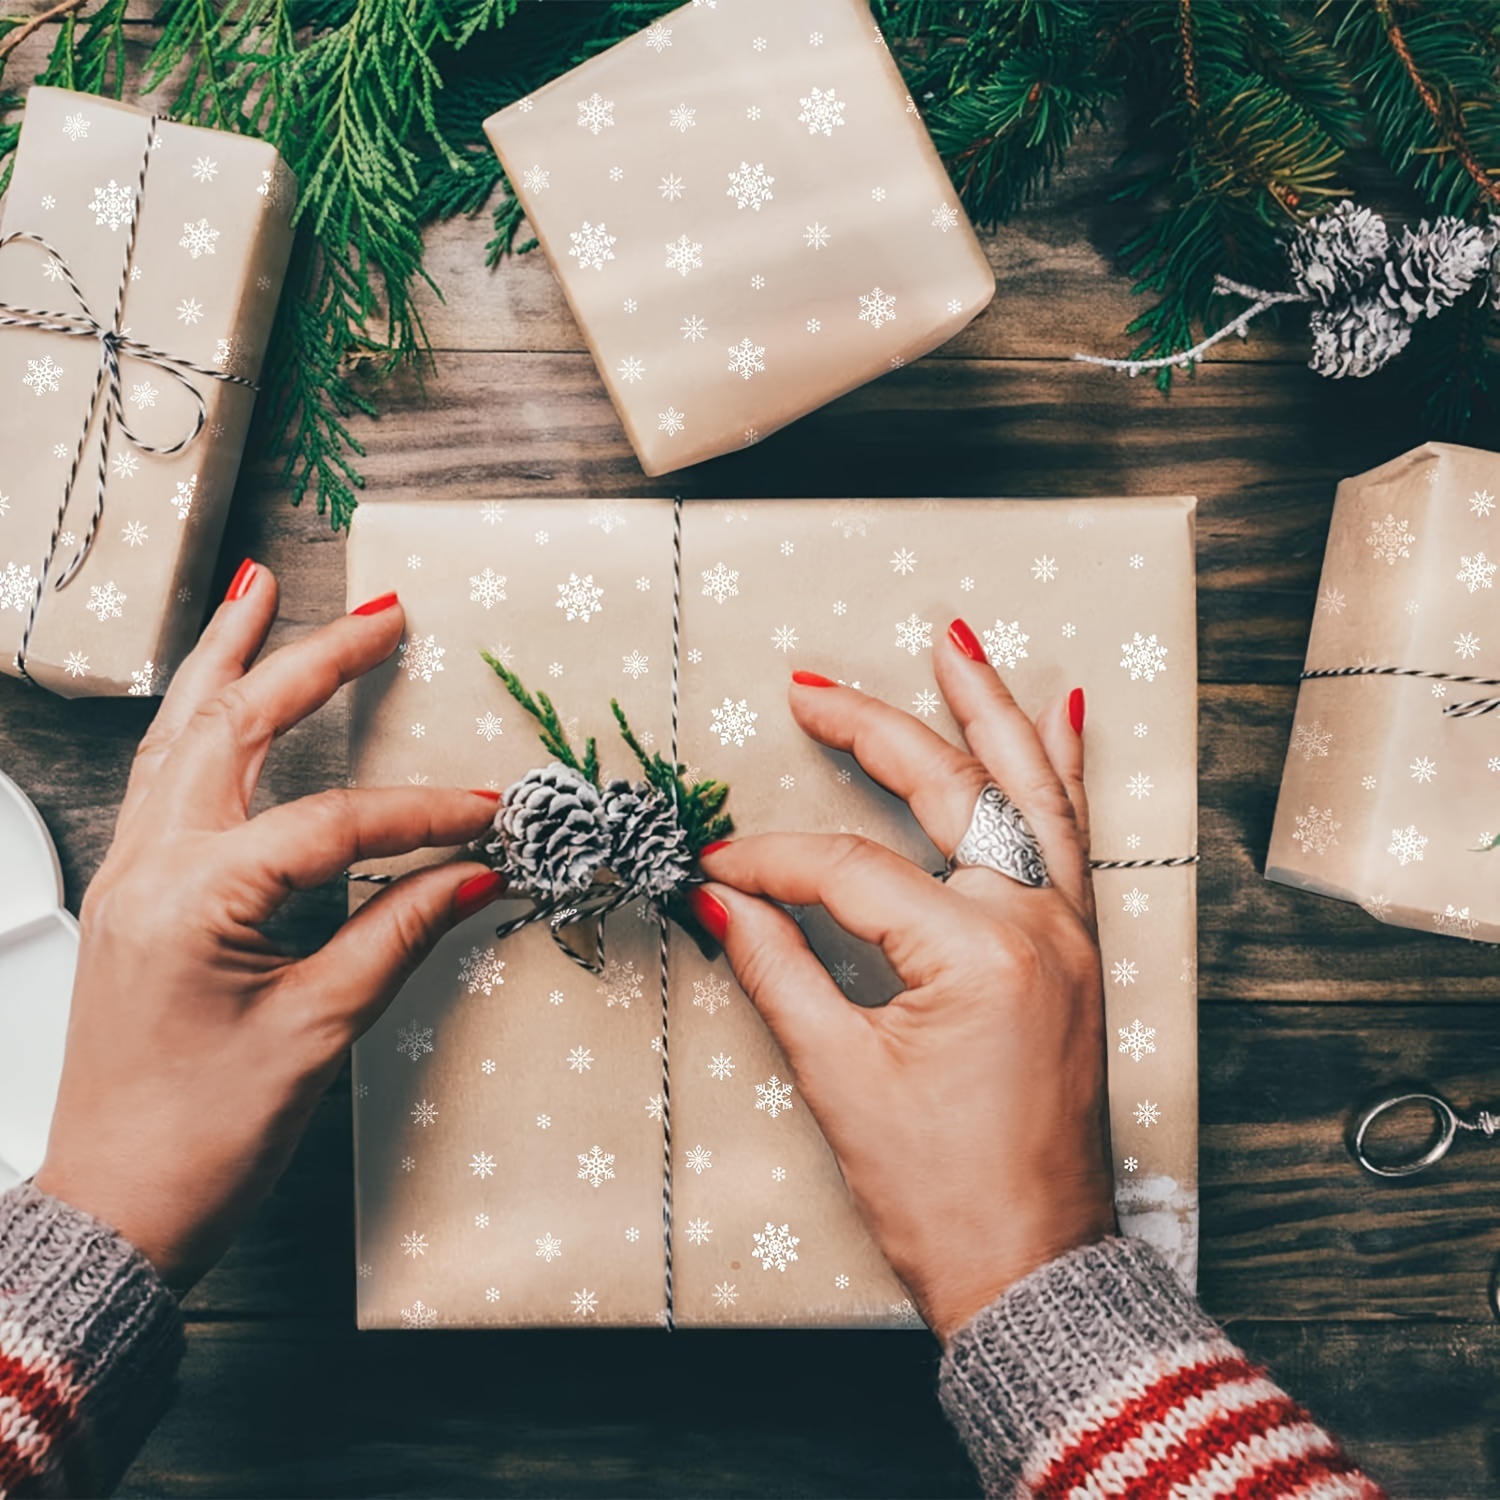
(1431, 268)
(552, 832)
(650, 848)
(1337, 253)
(1356, 340)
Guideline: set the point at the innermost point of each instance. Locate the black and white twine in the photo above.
(1472, 709)
(113, 345)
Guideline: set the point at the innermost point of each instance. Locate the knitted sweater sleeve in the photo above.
(1098, 1375)
(90, 1340)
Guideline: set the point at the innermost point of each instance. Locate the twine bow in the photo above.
(114, 344)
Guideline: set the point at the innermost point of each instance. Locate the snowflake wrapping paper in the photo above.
(747, 217)
(509, 1105)
(202, 283)
(1385, 799)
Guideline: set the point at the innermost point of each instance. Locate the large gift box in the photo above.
(166, 244)
(513, 1110)
(747, 217)
(1389, 795)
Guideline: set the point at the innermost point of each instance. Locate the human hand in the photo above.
(196, 1051)
(969, 1114)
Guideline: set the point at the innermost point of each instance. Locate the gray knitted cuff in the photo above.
(86, 1311)
(1024, 1368)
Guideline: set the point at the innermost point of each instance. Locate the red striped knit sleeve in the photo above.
(90, 1340)
(1099, 1376)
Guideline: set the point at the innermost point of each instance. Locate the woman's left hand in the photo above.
(196, 1050)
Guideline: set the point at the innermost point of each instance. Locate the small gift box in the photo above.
(522, 1124)
(747, 217)
(140, 266)
(1389, 797)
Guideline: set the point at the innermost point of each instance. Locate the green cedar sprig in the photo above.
(550, 730)
(700, 804)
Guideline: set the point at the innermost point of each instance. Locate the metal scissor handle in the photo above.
(1449, 1122)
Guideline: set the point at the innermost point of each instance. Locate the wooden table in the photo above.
(1367, 1298)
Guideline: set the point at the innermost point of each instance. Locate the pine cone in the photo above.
(1356, 340)
(1337, 253)
(650, 849)
(1430, 269)
(552, 832)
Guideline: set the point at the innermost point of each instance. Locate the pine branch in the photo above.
(550, 729)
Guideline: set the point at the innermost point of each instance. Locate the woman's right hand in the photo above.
(969, 1114)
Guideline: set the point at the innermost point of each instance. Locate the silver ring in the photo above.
(1000, 838)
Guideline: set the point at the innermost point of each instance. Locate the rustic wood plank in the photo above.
(315, 1408)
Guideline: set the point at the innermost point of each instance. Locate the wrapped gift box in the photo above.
(188, 232)
(509, 1105)
(1390, 788)
(747, 217)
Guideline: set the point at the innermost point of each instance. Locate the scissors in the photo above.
(1448, 1120)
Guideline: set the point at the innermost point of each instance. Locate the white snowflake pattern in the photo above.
(17, 587)
(671, 421)
(746, 359)
(549, 1247)
(658, 37)
(544, 1122)
(656, 1107)
(419, 1315)
(720, 582)
(815, 236)
(422, 657)
(106, 602)
(844, 973)
(1390, 539)
(143, 394)
(711, 993)
(113, 205)
(1481, 502)
(637, 665)
(1332, 601)
(694, 329)
(1312, 739)
(699, 1160)
(44, 376)
(903, 561)
(877, 195)
(775, 1247)
(944, 217)
(414, 1244)
(698, 1231)
(725, 1294)
(1467, 646)
(721, 1066)
(596, 113)
(733, 721)
(592, 245)
(424, 1113)
(1140, 786)
(595, 1166)
(199, 239)
(1137, 1040)
(1044, 569)
(492, 512)
(682, 118)
(1423, 769)
(1477, 572)
(926, 703)
(487, 588)
(620, 984)
(821, 112)
(144, 682)
(1130, 1164)
(76, 127)
(1124, 972)
(1316, 829)
(1136, 902)
(1006, 643)
(1143, 657)
(580, 1060)
(76, 664)
(580, 598)
(671, 187)
(414, 1041)
(585, 1303)
(877, 307)
(535, 179)
(1455, 921)
(1407, 844)
(913, 634)
(482, 1164)
(773, 1096)
(481, 970)
(631, 370)
(1147, 1113)
(750, 186)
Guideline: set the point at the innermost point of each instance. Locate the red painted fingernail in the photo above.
(1075, 710)
(710, 911)
(484, 791)
(374, 606)
(813, 679)
(239, 585)
(712, 848)
(477, 891)
(966, 641)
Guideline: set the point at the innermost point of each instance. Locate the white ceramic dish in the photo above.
(38, 954)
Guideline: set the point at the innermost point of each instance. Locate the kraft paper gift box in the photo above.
(1390, 786)
(747, 217)
(509, 1106)
(177, 239)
